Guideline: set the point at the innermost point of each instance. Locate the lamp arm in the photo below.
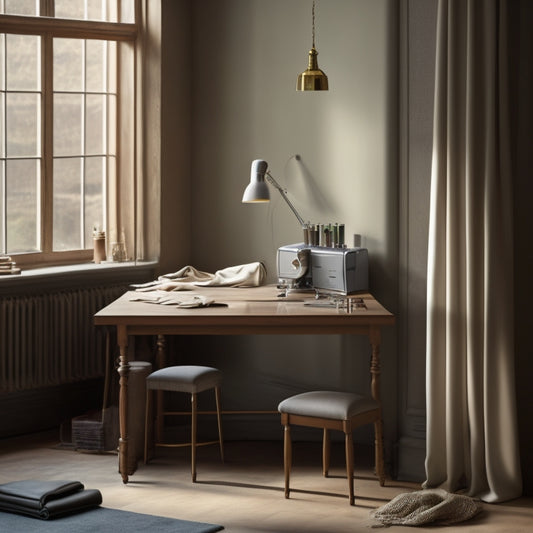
(273, 182)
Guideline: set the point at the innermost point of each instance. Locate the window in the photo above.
(67, 147)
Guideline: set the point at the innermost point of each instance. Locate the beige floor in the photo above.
(245, 494)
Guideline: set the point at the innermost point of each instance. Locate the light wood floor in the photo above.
(245, 494)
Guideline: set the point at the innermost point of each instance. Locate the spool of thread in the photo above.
(314, 235)
(306, 231)
(321, 235)
(335, 239)
(328, 233)
(342, 242)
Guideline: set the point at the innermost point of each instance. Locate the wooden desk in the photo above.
(248, 311)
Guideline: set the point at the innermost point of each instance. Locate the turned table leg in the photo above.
(123, 371)
(375, 370)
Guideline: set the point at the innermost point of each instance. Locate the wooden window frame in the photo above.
(121, 193)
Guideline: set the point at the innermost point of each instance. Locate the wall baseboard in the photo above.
(411, 456)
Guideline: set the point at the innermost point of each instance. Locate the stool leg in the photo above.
(348, 441)
(378, 445)
(160, 363)
(219, 420)
(326, 452)
(287, 457)
(193, 436)
(147, 424)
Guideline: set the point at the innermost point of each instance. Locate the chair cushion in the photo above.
(328, 404)
(184, 378)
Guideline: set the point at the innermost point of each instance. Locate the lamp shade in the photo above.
(312, 79)
(257, 189)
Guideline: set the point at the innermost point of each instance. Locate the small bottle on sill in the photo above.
(99, 246)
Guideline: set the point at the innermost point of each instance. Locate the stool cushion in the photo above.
(184, 378)
(328, 404)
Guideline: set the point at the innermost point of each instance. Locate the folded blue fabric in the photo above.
(47, 499)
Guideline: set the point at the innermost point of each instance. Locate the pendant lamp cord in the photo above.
(313, 15)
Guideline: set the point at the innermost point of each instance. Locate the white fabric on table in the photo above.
(247, 275)
(163, 290)
(178, 300)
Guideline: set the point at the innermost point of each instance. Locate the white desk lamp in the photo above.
(257, 190)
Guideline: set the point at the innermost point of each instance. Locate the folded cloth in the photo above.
(424, 507)
(181, 300)
(247, 275)
(47, 499)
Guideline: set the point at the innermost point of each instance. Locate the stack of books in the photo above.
(7, 266)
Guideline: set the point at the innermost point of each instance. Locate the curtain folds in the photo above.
(472, 441)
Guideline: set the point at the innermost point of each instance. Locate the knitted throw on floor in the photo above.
(424, 507)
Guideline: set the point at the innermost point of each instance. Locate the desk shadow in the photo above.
(391, 483)
(358, 498)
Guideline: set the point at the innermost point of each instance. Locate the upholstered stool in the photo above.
(191, 379)
(343, 411)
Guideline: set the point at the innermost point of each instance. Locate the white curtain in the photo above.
(472, 441)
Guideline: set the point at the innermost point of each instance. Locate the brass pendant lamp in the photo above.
(312, 79)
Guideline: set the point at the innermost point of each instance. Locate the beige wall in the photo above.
(172, 204)
(229, 72)
(246, 55)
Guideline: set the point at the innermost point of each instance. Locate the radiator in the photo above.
(50, 339)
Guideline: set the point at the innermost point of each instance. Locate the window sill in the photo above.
(82, 275)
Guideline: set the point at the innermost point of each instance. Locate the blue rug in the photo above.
(103, 520)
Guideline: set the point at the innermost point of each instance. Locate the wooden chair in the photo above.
(342, 411)
(190, 379)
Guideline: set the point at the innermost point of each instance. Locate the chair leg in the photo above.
(378, 450)
(326, 452)
(159, 418)
(193, 436)
(348, 441)
(148, 424)
(287, 457)
(219, 420)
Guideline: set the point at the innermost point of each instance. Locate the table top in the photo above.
(237, 310)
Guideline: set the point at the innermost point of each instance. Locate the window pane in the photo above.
(23, 120)
(112, 67)
(2, 212)
(2, 60)
(67, 204)
(94, 196)
(112, 125)
(68, 65)
(95, 125)
(70, 9)
(127, 11)
(23, 199)
(2, 125)
(95, 65)
(96, 10)
(22, 62)
(21, 7)
(68, 114)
